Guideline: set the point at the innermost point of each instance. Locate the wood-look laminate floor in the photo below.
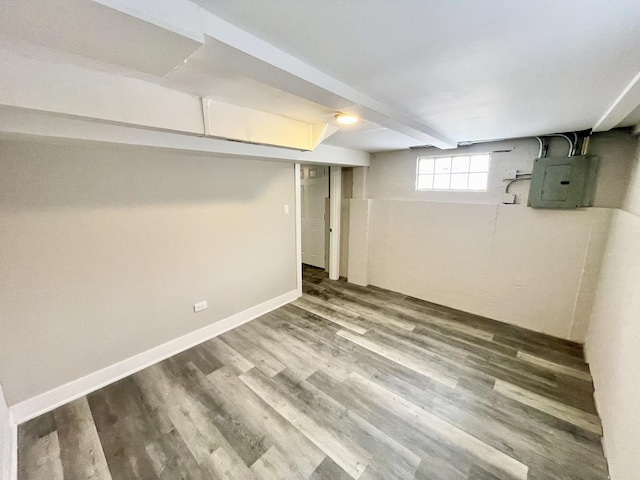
(346, 382)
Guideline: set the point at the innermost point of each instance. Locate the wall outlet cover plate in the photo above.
(510, 175)
(198, 307)
(509, 198)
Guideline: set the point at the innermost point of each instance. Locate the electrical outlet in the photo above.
(285, 210)
(198, 307)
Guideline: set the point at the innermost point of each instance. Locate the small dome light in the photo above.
(345, 118)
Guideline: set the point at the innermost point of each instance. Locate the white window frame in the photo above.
(469, 170)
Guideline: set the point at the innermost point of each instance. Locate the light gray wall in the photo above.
(613, 348)
(529, 267)
(104, 250)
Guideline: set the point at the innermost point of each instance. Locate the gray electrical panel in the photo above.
(563, 182)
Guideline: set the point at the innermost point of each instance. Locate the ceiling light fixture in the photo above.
(345, 118)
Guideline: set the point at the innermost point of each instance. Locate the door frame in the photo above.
(335, 205)
(298, 201)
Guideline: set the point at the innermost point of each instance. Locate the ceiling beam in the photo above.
(369, 108)
(16, 123)
(626, 103)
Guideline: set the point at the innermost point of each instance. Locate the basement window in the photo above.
(463, 173)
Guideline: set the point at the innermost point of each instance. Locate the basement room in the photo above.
(331, 240)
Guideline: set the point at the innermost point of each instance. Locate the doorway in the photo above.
(314, 195)
(319, 202)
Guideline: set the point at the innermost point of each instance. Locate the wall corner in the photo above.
(359, 215)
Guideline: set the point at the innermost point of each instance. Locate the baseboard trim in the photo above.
(8, 442)
(9, 464)
(603, 437)
(45, 402)
(596, 401)
(13, 454)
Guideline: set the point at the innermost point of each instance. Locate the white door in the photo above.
(314, 190)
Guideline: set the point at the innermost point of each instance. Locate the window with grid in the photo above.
(461, 172)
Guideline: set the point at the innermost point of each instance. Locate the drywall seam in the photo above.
(591, 267)
(579, 289)
(35, 406)
(492, 245)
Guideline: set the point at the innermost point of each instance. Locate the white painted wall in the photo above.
(7, 440)
(103, 252)
(612, 344)
(532, 268)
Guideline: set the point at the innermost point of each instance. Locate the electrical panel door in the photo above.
(564, 182)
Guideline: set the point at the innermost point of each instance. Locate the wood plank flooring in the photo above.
(345, 383)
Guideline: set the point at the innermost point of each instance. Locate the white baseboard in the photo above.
(9, 459)
(603, 438)
(45, 402)
(13, 453)
(8, 442)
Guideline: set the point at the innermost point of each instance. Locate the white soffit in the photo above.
(632, 119)
(113, 31)
(244, 124)
(18, 123)
(372, 138)
(623, 106)
(64, 88)
(67, 89)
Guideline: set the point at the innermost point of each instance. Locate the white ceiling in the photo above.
(96, 31)
(468, 70)
(473, 70)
